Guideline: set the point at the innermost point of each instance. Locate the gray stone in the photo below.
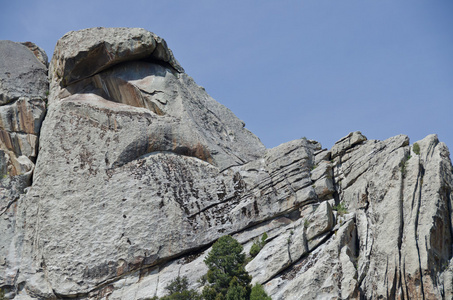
(38, 52)
(22, 73)
(139, 171)
(320, 221)
(278, 254)
(23, 89)
(320, 275)
(291, 244)
(81, 54)
(182, 117)
(346, 143)
(322, 155)
(139, 199)
(398, 206)
(150, 168)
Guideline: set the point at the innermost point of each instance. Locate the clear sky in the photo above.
(290, 69)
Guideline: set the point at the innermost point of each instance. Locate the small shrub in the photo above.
(306, 223)
(264, 238)
(255, 249)
(178, 289)
(258, 293)
(258, 245)
(341, 209)
(203, 279)
(403, 166)
(416, 148)
(178, 285)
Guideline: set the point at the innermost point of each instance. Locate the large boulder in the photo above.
(135, 67)
(83, 53)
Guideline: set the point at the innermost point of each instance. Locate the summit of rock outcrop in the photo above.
(132, 74)
(22, 73)
(139, 171)
(83, 53)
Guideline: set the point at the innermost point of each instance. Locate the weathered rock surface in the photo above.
(321, 275)
(182, 117)
(40, 54)
(22, 73)
(139, 171)
(23, 89)
(404, 222)
(80, 54)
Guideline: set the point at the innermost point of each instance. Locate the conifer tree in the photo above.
(226, 271)
(258, 293)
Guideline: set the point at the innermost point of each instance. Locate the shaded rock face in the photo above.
(139, 171)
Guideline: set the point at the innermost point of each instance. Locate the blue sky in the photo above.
(289, 69)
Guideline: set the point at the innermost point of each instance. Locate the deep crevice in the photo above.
(401, 229)
(8, 206)
(420, 175)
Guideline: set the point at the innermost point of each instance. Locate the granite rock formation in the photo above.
(23, 93)
(139, 171)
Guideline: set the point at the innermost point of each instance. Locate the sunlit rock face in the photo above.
(23, 93)
(139, 171)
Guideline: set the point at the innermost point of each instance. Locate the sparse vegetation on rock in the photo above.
(416, 148)
(341, 208)
(178, 289)
(258, 293)
(258, 245)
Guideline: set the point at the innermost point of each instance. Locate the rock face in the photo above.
(23, 90)
(139, 171)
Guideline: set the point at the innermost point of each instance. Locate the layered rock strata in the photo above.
(139, 171)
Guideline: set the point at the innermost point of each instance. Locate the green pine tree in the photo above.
(226, 271)
(236, 291)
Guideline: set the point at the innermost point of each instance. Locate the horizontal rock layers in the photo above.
(139, 171)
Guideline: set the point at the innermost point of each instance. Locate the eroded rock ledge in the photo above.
(139, 171)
